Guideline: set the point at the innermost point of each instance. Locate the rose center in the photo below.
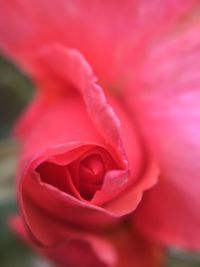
(91, 175)
(82, 177)
(92, 169)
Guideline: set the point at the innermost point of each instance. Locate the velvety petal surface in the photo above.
(83, 250)
(165, 97)
(110, 34)
(120, 248)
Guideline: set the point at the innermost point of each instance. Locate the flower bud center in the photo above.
(91, 174)
(92, 169)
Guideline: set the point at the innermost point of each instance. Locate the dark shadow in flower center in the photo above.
(80, 178)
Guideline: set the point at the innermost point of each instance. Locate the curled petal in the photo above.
(71, 120)
(83, 250)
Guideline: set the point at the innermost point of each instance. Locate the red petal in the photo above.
(120, 248)
(168, 111)
(82, 250)
(110, 34)
(75, 118)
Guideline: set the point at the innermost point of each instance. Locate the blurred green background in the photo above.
(15, 92)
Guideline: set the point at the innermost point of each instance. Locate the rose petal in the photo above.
(76, 117)
(110, 35)
(168, 111)
(82, 250)
(120, 248)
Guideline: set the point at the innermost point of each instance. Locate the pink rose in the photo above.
(77, 171)
(145, 54)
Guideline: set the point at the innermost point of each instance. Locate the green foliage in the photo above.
(15, 92)
(12, 252)
(177, 258)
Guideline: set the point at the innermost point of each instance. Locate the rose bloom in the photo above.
(90, 149)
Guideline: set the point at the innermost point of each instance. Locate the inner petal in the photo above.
(92, 170)
(82, 177)
(91, 174)
(57, 176)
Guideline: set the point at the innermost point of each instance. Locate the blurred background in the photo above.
(15, 92)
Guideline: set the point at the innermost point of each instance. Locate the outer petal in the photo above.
(167, 104)
(110, 34)
(84, 250)
(75, 116)
(121, 248)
